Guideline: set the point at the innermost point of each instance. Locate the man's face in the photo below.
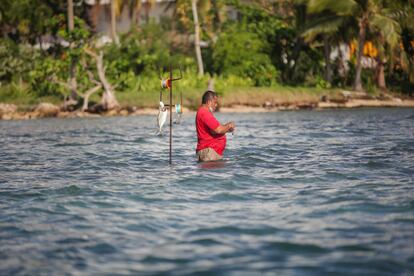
(213, 104)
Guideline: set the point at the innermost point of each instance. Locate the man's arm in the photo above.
(222, 129)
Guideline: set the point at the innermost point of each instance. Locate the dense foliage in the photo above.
(258, 43)
(241, 53)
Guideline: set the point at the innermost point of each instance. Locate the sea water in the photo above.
(299, 193)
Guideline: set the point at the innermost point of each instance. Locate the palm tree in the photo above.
(388, 32)
(116, 7)
(372, 17)
(404, 13)
(327, 23)
(206, 16)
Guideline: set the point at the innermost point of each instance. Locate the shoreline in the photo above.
(47, 110)
(355, 103)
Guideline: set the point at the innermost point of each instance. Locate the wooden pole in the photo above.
(171, 114)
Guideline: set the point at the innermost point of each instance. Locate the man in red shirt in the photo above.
(210, 133)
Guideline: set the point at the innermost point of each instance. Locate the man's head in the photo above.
(210, 100)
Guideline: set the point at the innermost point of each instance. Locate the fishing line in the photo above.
(179, 106)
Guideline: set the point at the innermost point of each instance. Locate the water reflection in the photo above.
(213, 164)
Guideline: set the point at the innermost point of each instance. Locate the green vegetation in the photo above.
(272, 50)
(243, 95)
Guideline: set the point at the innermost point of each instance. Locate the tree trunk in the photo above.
(108, 98)
(71, 22)
(361, 42)
(300, 20)
(72, 70)
(113, 22)
(135, 14)
(72, 80)
(327, 55)
(87, 95)
(217, 19)
(411, 69)
(94, 15)
(210, 86)
(197, 38)
(341, 66)
(380, 74)
(295, 56)
(147, 8)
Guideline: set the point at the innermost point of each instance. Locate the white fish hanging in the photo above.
(162, 117)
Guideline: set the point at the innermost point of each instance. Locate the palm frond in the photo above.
(340, 7)
(388, 27)
(322, 25)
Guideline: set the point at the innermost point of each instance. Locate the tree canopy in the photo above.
(357, 44)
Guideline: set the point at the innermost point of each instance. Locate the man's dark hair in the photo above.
(208, 96)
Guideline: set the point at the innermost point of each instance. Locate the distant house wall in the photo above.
(348, 51)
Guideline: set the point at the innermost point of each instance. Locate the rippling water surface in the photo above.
(300, 193)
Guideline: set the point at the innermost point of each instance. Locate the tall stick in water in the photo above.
(171, 114)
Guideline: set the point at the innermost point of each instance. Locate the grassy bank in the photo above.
(230, 96)
(250, 96)
(242, 99)
(23, 97)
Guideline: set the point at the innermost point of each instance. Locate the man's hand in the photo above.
(231, 126)
(222, 129)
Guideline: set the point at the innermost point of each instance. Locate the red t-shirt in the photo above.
(205, 124)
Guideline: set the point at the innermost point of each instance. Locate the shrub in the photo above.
(240, 53)
(145, 52)
(15, 61)
(40, 76)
